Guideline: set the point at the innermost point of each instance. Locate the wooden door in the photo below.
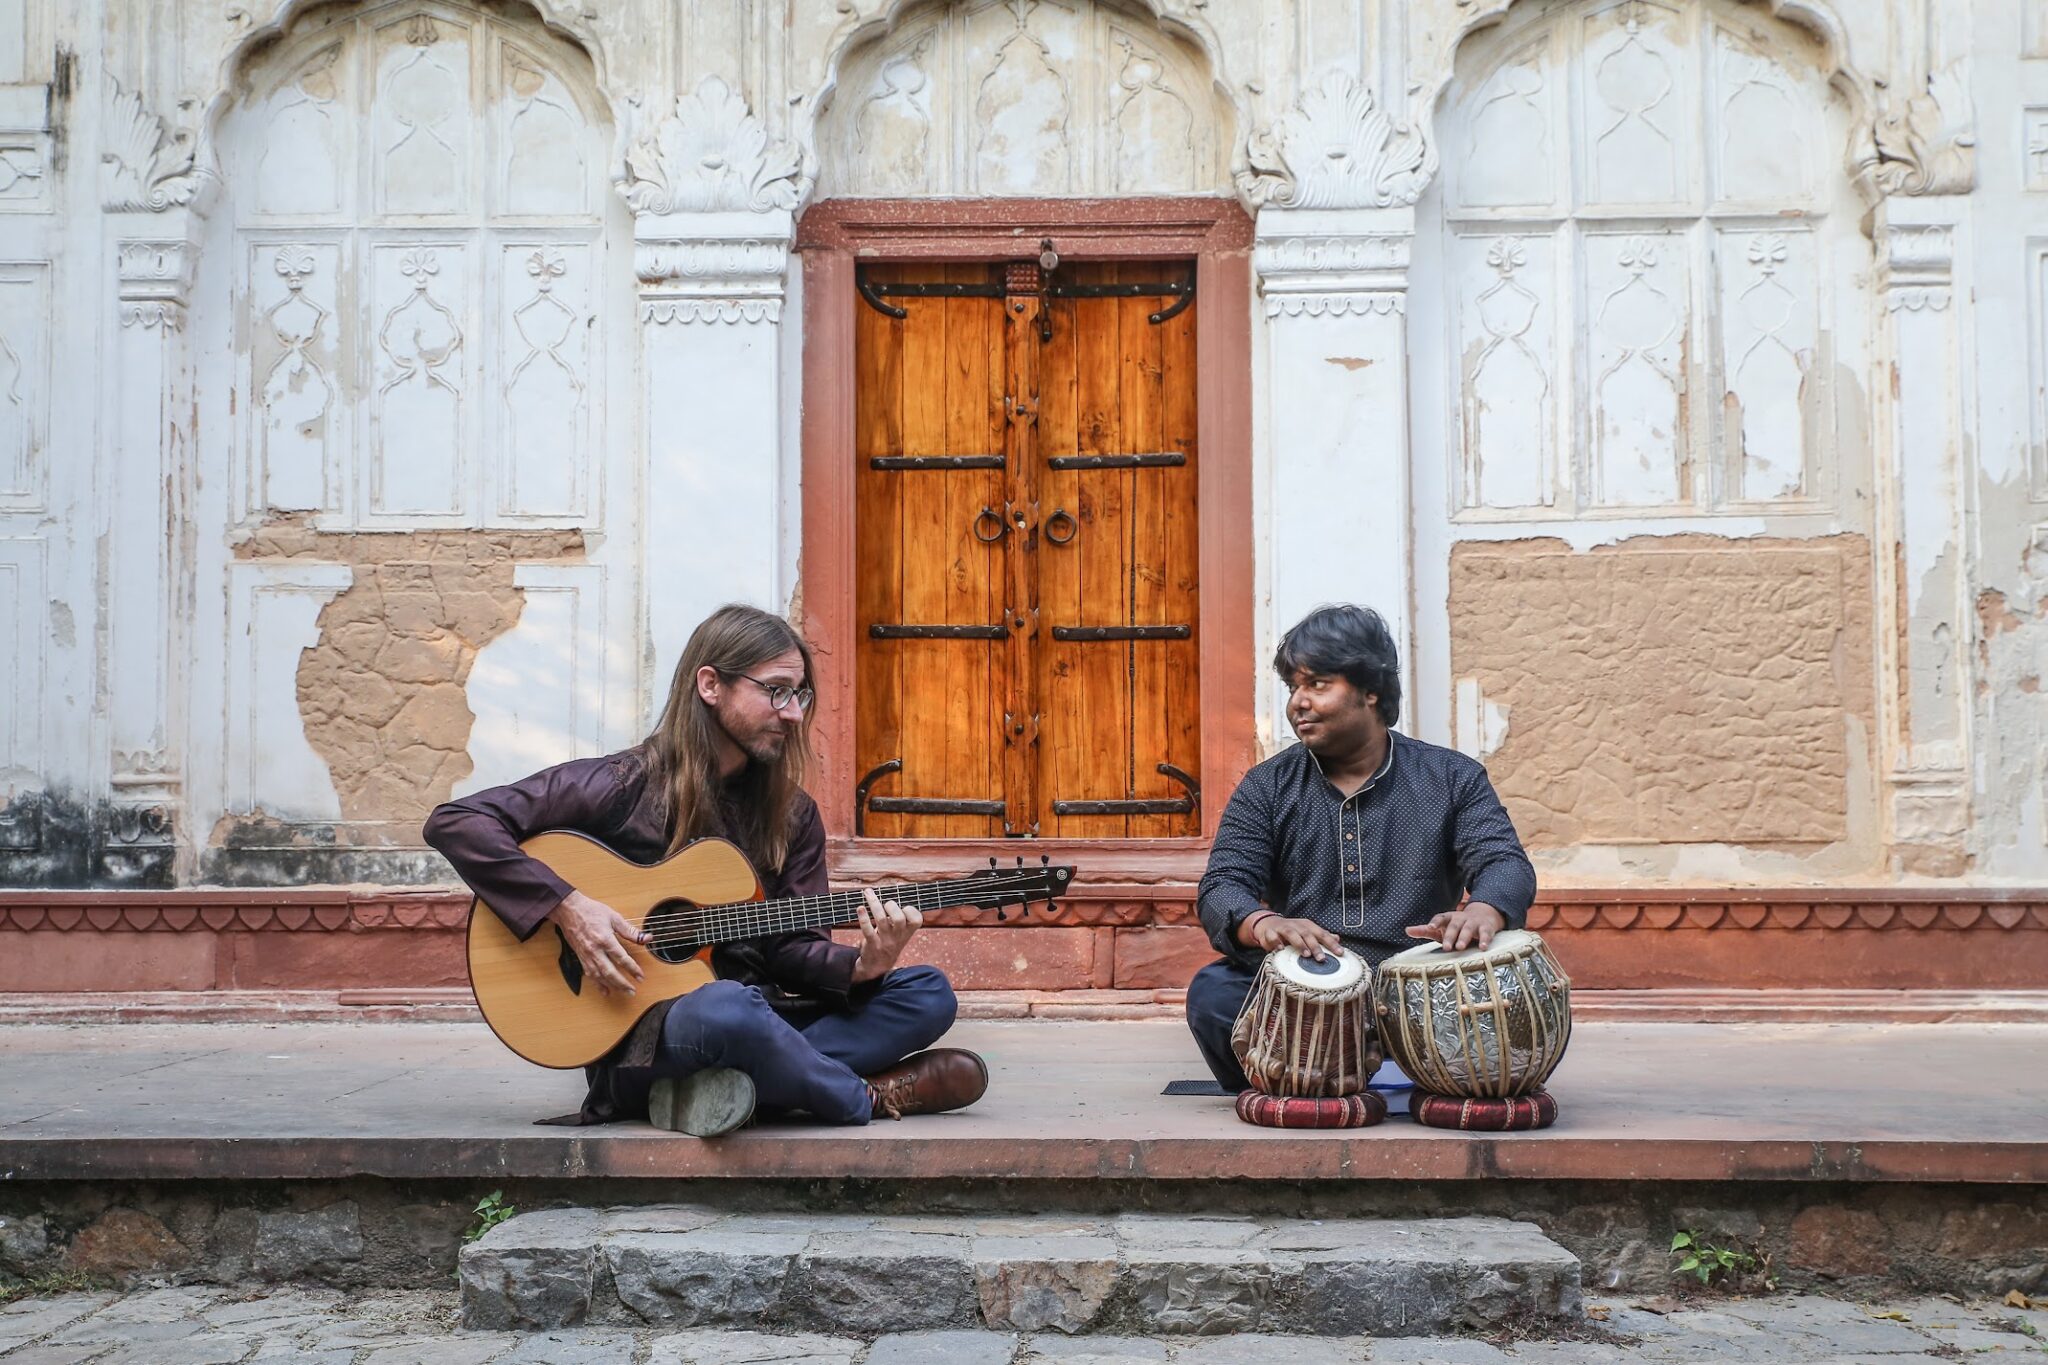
(1025, 543)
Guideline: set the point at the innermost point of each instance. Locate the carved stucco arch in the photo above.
(1818, 17)
(563, 20)
(1173, 21)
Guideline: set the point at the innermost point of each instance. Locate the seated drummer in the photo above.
(1356, 836)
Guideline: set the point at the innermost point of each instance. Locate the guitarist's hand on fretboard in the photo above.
(599, 936)
(885, 929)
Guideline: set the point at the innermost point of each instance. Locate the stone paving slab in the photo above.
(1076, 1100)
(296, 1327)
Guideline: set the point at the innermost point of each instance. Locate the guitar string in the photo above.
(748, 919)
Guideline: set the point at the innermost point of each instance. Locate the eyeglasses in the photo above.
(780, 695)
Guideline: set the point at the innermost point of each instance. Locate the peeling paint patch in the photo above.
(1675, 690)
(63, 627)
(382, 694)
(1350, 362)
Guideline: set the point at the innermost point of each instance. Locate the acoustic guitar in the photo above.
(534, 995)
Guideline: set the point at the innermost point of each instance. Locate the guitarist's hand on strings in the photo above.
(885, 927)
(599, 936)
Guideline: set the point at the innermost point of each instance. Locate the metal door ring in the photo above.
(990, 514)
(1061, 514)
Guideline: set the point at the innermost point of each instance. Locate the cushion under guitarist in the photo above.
(796, 1021)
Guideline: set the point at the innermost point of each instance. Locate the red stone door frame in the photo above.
(836, 233)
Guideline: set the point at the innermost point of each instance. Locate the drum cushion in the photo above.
(1535, 1110)
(1310, 1111)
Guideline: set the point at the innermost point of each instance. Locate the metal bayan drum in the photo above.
(1480, 1024)
(1306, 1027)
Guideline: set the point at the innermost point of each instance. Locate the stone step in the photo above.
(1144, 1274)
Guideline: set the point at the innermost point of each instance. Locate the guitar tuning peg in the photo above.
(991, 862)
(1020, 860)
(1045, 860)
(1002, 912)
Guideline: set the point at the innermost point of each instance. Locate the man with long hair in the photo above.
(1358, 836)
(795, 1021)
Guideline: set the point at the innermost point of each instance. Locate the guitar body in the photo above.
(533, 994)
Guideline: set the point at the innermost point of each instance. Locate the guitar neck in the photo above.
(752, 919)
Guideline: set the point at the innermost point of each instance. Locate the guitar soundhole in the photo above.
(669, 931)
(572, 968)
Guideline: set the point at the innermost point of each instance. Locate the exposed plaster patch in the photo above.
(1679, 690)
(382, 693)
(1350, 362)
(63, 628)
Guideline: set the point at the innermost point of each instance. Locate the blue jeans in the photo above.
(815, 1062)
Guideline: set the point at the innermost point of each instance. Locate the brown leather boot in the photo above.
(929, 1082)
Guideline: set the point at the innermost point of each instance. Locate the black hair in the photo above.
(1349, 642)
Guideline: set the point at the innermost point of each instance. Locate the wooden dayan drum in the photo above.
(1306, 1027)
(1486, 1023)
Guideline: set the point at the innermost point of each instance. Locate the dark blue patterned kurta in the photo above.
(1411, 843)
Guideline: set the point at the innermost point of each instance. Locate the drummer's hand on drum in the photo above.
(1471, 925)
(1270, 931)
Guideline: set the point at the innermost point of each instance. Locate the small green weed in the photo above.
(1719, 1266)
(490, 1211)
(53, 1283)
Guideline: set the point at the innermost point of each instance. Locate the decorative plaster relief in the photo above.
(427, 354)
(1674, 361)
(1336, 149)
(24, 640)
(1676, 690)
(24, 157)
(1026, 97)
(711, 155)
(24, 386)
(155, 282)
(1927, 143)
(143, 168)
(2034, 146)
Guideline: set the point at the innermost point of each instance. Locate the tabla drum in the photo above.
(1485, 1023)
(1306, 1027)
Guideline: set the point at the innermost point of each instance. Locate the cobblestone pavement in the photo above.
(292, 1326)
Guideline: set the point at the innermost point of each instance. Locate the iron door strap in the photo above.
(937, 462)
(863, 802)
(889, 631)
(874, 293)
(1182, 292)
(1179, 805)
(1162, 459)
(1096, 634)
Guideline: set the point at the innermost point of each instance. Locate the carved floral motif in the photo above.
(712, 155)
(144, 167)
(1337, 149)
(1927, 144)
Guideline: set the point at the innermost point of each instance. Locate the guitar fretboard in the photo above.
(706, 924)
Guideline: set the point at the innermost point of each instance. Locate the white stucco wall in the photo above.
(152, 647)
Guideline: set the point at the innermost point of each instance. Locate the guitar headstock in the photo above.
(1002, 887)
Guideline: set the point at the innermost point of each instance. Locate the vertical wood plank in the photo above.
(1062, 732)
(926, 552)
(1180, 364)
(1105, 550)
(878, 545)
(1142, 391)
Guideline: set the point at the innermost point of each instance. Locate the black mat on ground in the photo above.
(1202, 1087)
